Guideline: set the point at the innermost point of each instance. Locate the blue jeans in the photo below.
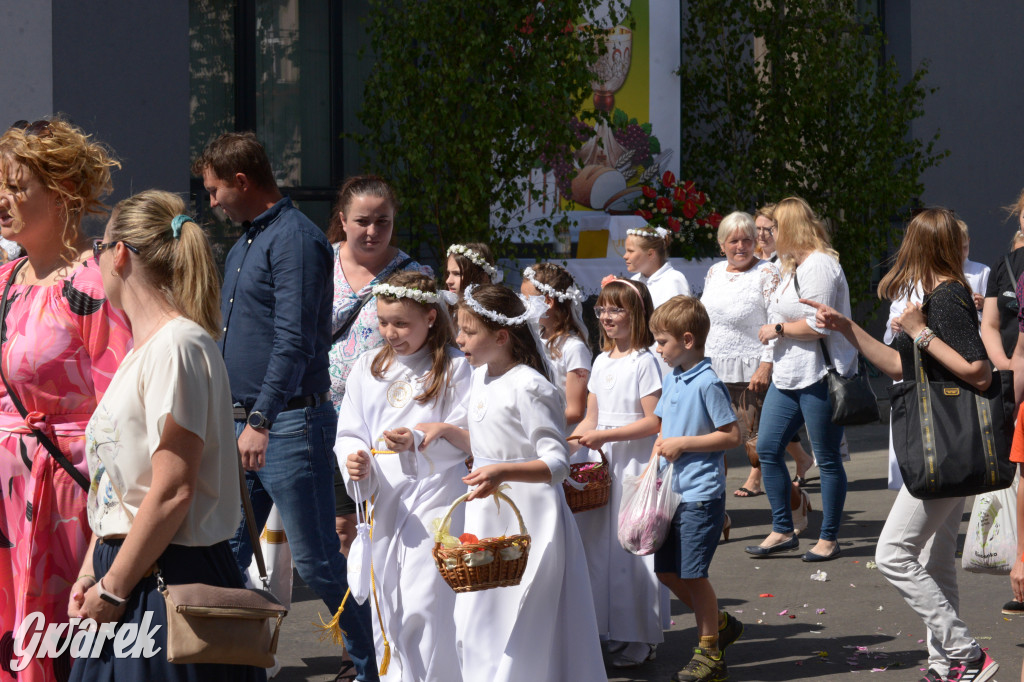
(783, 413)
(299, 479)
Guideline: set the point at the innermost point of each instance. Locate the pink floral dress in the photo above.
(61, 345)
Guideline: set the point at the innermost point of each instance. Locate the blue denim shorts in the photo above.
(692, 539)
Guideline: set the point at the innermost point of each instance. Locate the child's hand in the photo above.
(358, 465)
(593, 439)
(486, 479)
(670, 448)
(431, 432)
(979, 301)
(400, 439)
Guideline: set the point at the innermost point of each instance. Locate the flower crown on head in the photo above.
(570, 294)
(476, 259)
(646, 232)
(428, 297)
(534, 309)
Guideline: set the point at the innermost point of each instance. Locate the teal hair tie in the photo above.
(176, 224)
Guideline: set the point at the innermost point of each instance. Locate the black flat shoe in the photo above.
(811, 556)
(784, 546)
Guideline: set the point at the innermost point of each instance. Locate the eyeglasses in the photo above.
(766, 230)
(600, 310)
(99, 246)
(40, 128)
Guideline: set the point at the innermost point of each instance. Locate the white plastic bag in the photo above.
(648, 505)
(277, 555)
(359, 557)
(991, 543)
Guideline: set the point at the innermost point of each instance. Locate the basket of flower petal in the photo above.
(469, 564)
(589, 484)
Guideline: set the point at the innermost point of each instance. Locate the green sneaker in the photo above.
(730, 633)
(702, 668)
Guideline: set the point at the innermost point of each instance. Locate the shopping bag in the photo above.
(648, 505)
(278, 556)
(359, 556)
(991, 543)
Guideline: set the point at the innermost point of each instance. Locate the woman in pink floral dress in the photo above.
(61, 343)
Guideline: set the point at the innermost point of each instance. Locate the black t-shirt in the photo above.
(954, 319)
(1002, 286)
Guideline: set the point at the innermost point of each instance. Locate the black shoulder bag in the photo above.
(50, 446)
(950, 439)
(354, 313)
(853, 402)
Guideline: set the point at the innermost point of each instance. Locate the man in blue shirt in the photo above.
(276, 308)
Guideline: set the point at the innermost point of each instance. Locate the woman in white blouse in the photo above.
(736, 295)
(799, 392)
(161, 443)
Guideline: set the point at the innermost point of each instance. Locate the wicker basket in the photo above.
(464, 571)
(598, 479)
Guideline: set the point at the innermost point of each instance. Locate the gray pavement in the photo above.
(853, 624)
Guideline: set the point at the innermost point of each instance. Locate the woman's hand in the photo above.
(400, 439)
(101, 611)
(486, 479)
(913, 320)
(77, 599)
(1017, 579)
(828, 317)
(762, 377)
(767, 333)
(358, 465)
(593, 439)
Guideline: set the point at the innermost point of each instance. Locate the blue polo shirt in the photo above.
(695, 403)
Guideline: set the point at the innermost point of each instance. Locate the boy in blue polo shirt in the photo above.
(697, 426)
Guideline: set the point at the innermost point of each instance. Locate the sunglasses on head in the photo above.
(40, 128)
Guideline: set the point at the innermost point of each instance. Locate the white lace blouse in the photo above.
(737, 303)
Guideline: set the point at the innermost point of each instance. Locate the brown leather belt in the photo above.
(299, 403)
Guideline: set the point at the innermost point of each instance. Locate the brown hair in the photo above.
(440, 337)
(1016, 209)
(231, 153)
(561, 324)
(681, 314)
(932, 248)
(799, 230)
(622, 293)
(69, 164)
(181, 268)
(506, 302)
(471, 272)
(357, 186)
(651, 240)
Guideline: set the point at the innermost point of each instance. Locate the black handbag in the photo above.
(852, 399)
(950, 439)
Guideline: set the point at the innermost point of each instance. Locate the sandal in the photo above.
(747, 492)
(635, 655)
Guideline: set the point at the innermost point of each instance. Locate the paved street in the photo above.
(864, 628)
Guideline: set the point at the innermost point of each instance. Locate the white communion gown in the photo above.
(411, 489)
(542, 629)
(627, 595)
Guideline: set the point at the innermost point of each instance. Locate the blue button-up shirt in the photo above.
(276, 307)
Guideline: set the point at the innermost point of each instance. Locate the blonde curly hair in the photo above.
(69, 164)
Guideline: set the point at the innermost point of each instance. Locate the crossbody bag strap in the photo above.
(41, 437)
(1010, 272)
(821, 342)
(363, 300)
(250, 523)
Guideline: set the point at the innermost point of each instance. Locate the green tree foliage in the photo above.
(787, 97)
(464, 99)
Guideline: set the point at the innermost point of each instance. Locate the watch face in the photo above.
(256, 420)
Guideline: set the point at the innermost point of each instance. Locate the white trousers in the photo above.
(917, 553)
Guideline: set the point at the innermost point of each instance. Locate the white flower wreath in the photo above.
(534, 309)
(476, 259)
(570, 294)
(428, 297)
(645, 232)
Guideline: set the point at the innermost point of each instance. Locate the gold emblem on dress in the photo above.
(399, 394)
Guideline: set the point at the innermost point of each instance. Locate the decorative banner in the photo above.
(635, 84)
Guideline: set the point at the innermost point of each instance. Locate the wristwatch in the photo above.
(257, 421)
(779, 330)
(108, 597)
